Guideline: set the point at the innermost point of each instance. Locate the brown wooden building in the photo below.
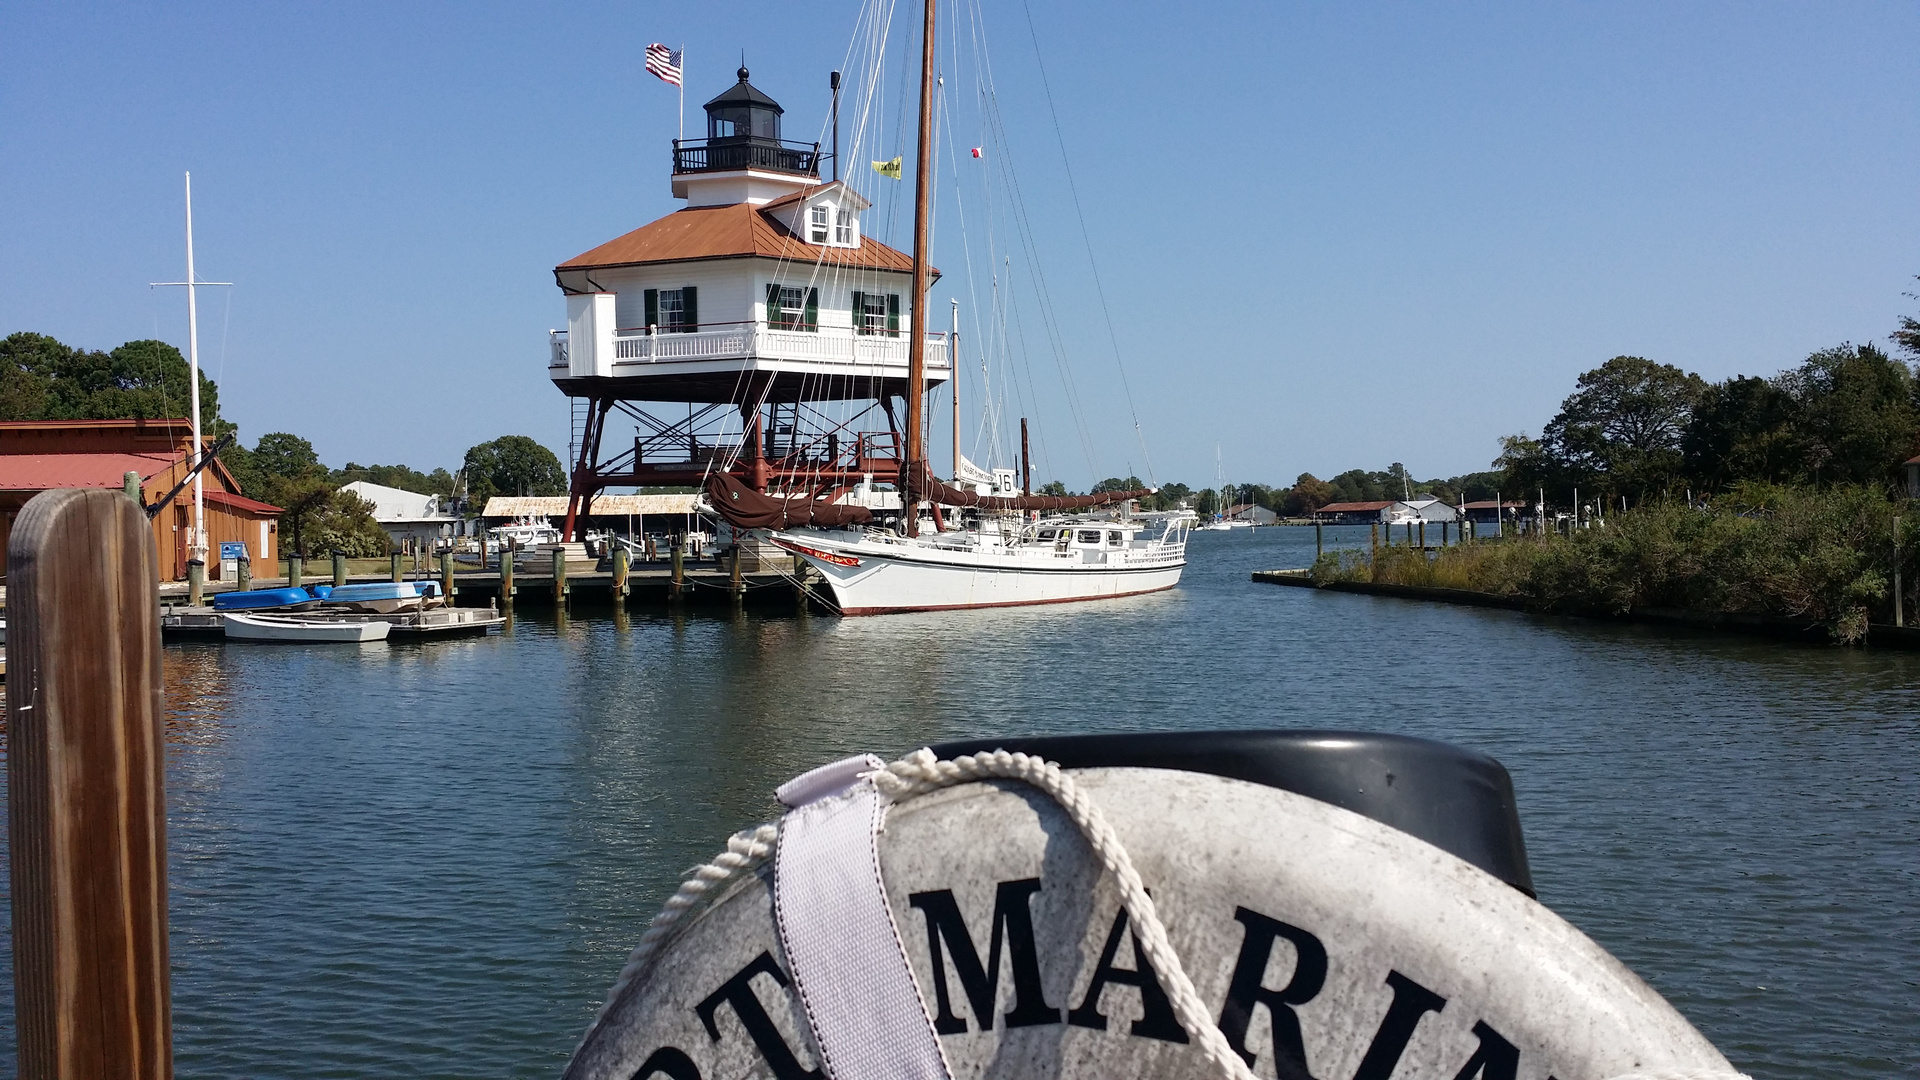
(36, 455)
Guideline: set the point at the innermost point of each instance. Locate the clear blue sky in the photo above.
(1330, 236)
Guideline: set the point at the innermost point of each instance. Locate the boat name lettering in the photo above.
(951, 947)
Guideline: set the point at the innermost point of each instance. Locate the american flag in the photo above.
(664, 62)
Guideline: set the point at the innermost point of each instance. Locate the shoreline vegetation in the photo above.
(1827, 559)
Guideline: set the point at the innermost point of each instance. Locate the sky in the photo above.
(1316, 237)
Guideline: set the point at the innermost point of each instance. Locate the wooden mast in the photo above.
(917, 327)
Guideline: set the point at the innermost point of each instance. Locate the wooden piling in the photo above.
(446, 576)
(1423, 534)
(294, 565)
(1376, 538)
(621, 559)
(560, 576)
(679, 582)
(1319, 542)
(130, 484)
(506, 578)
(243, 575)
(196, 582)
(397, 574)
(1899, 605)
(734, 583)
(86, 791)
(339, 568)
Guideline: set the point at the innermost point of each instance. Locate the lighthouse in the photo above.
(756, 330)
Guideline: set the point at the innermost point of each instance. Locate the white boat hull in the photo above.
(885, 578)
(266, 628)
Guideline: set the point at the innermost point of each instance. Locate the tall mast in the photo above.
(917, 332)
(197, 544)
(953, 380)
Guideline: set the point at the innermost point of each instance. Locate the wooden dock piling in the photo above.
(734, 584)
(243, 574)
(679, 581)
(196, 582)
(294, 565)
(560, 576)
(447, 589)
(1319, 542)
(396, 573)
(86, 791)
(506, 579)
(622, 559)
(339, 568)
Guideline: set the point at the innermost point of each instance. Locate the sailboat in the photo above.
(961, 545)
(1221, 521)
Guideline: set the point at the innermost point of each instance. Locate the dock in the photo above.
(647, 583)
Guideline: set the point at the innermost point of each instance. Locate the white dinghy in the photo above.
(989, 914)
(295, 629)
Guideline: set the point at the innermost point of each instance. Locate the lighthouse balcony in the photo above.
(734, 154)
(732, 347)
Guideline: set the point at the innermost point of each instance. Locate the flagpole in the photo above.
(197, 542)
(683, 90)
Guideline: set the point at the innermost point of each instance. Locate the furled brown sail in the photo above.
(924, 485)
(745, 508)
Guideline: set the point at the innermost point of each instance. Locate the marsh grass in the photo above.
(1823, 557)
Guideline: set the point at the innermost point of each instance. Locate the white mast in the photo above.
(197, 544)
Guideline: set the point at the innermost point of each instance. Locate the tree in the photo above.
(1309, 493)
(43, 379)
(1908, 336)
(1621, 427)
(1053, 487)
(513, 465)
(1526, 469)
(1854, 413)
(1742, 429)
(1114, 483)
(438, 482)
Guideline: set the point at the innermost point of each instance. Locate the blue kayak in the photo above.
(261, 599)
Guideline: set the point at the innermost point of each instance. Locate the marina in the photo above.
(813, 668)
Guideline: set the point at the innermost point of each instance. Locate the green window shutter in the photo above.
(859, 312)
(653, 308)
(773, 304)
(893, 314)
(689, 308)
(813, 309)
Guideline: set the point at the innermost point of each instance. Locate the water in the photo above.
(432, 860)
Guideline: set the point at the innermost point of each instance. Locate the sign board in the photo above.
(233, 549)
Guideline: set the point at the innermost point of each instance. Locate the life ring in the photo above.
(993, 916)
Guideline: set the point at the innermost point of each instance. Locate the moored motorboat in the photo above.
(303, 629)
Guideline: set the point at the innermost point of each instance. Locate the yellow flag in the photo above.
(888, 168)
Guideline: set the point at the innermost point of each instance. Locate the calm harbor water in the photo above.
(432, 860)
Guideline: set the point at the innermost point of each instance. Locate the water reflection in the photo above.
(432, 859)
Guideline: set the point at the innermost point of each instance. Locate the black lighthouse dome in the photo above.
(743, 112)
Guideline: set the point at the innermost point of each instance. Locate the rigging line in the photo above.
(1087, 238)
(1023, 224)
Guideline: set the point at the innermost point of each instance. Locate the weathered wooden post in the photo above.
(506, 578)
(293, 571)
(734, 584)
(483, 551)
(196, 581)
(621, 560)
(1899, 606)
(1423, 533)
(1376, 538)
(243, 574)
(446, 575)
(679, 581)
(339, 568)
(560, 576)
(130, 484)
(1319, 542)
(86, 791)
(394, 572)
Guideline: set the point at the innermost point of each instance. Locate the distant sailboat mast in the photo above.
(917, 327)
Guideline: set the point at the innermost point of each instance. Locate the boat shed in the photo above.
(1354, 513)
(37, 455)
(409, 518)
(1252, 512)
(1421, 508)
(1487, 511)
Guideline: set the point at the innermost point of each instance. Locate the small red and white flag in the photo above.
(979, 151)
(664, 62)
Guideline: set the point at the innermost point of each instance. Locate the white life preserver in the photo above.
(994, 917)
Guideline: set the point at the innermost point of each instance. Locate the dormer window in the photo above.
(843, 227)
(817, 224)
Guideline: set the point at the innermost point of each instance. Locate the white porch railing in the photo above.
(827, 345)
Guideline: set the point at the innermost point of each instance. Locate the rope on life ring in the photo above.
(921, 773)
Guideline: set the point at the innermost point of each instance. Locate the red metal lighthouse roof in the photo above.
(739, 231)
